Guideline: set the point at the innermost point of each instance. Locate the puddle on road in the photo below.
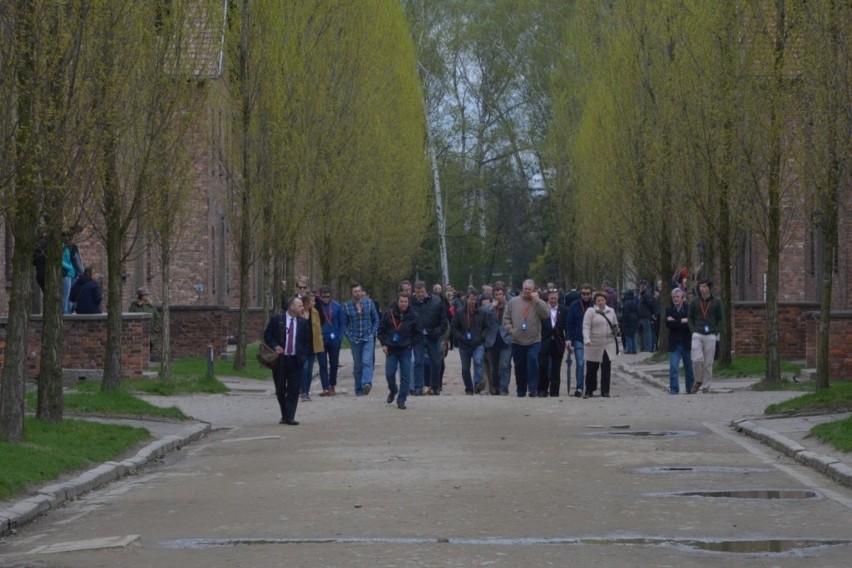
(748, 494)
(646, 433)
(755, 546)
(699, 469)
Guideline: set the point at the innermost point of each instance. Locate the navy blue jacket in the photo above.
(86, 295)
(275, 334)
(574, 320)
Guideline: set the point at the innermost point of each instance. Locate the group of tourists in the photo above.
(491, 329)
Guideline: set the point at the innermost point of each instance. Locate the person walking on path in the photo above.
(361, 321)
(470, 328)
(332, 337)
(574, 335)
(290, 333)
(600, 339)
(706, 319)
(310, 313)
(498, 344)
(680, 341)
(552, 347)
(522, 319)
(432, 316)
(397, 333)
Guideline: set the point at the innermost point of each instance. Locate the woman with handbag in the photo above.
(600, 338)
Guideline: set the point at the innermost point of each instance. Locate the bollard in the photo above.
(209, 361)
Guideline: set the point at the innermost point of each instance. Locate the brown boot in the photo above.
(331, 391)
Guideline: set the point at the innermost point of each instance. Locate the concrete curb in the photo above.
(51, 496)
(827, 465)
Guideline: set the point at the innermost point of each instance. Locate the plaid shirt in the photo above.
(360, 327)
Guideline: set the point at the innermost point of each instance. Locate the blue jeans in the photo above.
(432, 348)
(308, 373)
(647, 335)
(630, 342)
(468, 355)
(501, 368)
(331, 356)
(580, 363)
(526, 367)
(362, 359)
(66, 293)
(399, 358)
(680, 353)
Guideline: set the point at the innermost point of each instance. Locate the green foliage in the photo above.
(51, 449)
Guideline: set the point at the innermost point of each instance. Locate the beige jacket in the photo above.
(597, 332)
(519, 312)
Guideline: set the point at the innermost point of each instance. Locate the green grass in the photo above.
(837, 433)
(836, 398)
(178, 384)
(751, 367)
(197, 366)
(52, 449)
(87, 398)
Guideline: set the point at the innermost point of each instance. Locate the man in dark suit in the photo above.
(552, 346)
(291, 335)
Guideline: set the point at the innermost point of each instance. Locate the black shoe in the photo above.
(289, 422)
(391, 396)
(578, 394)
(605, 395)
(479, 387)
(417, 392)
(435, 393)
(542, 395)
(401, 406)
(367, 388)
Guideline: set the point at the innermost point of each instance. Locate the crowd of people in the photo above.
(493, 329)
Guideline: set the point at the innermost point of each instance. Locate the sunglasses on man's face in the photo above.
(302, 287)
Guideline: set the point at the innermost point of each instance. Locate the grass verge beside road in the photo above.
(52, 449)
(837, 398)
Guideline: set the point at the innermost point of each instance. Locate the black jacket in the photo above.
(553, 338)
(478, 323)
(398, 331)
(629, 318)
(431, 315)
(679, 334)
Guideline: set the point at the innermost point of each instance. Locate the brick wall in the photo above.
(193, 329)
(749, 328)
(84, 343)
(839, 343)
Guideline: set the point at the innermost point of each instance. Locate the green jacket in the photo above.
(156, 319)
(705, 317)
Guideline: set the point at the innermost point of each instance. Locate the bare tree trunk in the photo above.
(50, 368)
(439, 210)
(245, 238)
(112, 210)
(166, 330)
(773, 241)
(12, 385)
